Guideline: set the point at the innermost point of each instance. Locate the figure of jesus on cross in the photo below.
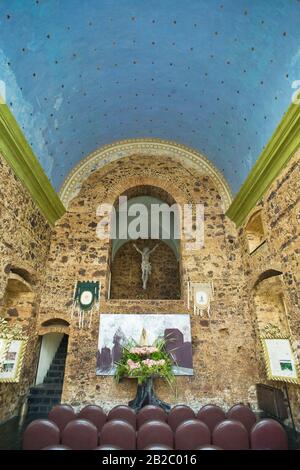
(145, 265)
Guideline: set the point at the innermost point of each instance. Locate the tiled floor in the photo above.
(11, 432)
(294, 439)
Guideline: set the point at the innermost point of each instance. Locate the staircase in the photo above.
(43, 397)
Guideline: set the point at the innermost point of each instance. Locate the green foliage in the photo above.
(142, 362)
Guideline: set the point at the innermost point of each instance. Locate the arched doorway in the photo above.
(51, 367)
(49, 346)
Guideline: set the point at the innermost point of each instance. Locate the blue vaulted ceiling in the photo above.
(215, 75)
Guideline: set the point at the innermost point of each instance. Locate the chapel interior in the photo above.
(149, 198)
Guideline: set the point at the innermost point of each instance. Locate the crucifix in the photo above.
(145, 265)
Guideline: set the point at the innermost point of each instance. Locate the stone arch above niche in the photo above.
(124, 187)
(143, 147)
(266, 275)
(54, 325)
(22, 269)
(56, 322)
(152, 190)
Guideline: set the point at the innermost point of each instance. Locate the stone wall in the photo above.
(238, 311)
(77, 253)
(280, 214)
(24, 244)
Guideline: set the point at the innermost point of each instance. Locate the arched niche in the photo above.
(164, 280)
(19, 300)
(158, 204)
(268, 296)
(160, 216)
(255, 232)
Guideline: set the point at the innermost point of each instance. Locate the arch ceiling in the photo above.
(216, 76)
(164, 227)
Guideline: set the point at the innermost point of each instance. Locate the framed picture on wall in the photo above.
(280, 360)
(11, 364)
(116, 330)
(4, 344)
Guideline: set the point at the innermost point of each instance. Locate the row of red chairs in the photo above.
(209, 414)
(65, 430)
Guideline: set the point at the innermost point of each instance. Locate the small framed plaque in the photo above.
(280, 360)
(11, 364)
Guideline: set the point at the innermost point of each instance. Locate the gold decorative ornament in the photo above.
(143, 147)
(9, 331)
(11, 366)
(8, 334)
(272, 331)
(4, 344)
(280, 361)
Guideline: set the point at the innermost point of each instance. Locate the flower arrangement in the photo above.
(143, 362)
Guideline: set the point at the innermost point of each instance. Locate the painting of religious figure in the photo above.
(117, 330)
